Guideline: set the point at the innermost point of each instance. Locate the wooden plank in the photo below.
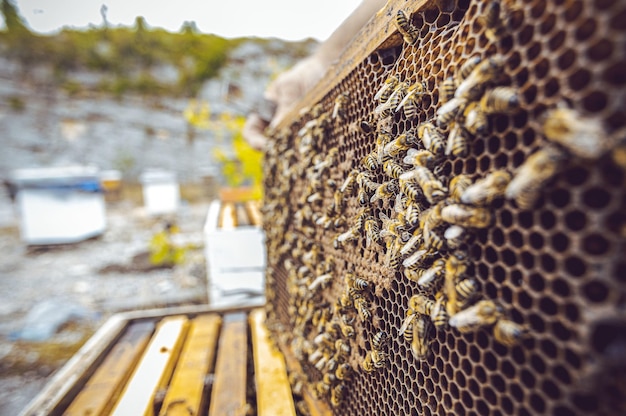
(229, 388)
(379, 32)
(254, 213)
(242, 216)
(273, 391)
(227, 219)
(102, 389)
(154, 370)
(65, 382)
(184, 395)
(316, 407)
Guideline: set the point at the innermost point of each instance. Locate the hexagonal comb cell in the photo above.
(445, 224)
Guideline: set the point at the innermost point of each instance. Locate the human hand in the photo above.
(285, 91)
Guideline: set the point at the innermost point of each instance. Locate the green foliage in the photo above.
(163, 251)
(241, 165)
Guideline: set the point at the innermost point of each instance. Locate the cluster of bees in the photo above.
(432, 213)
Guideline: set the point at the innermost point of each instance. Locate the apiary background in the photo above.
(557, 268)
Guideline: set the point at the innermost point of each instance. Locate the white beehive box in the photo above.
(59, 205)
(161, 192)
(235, 258)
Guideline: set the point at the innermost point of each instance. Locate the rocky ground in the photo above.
(68, 291)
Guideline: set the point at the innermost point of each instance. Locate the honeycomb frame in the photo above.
(556, 268)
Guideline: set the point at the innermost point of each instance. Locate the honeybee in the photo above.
(339, 222)
(449, 111)
(420, 343)
(363, 197)
(485, 190)
(339, 109)
(533, 174)
(348, 184)
(344, 371)
(433, 272)
(484, 73)
(362, 307)
(406, 28)
(483, 313)
(411, 190)
(457, 144)
(492, 20)
(431, 137)
(385, 109)
(454, 235)
(345, 325)
(370, 161)
(465, 290)
(446, 92)
(455, 269)
(467, 216)
(367, 365)
(364, 180)
(372, 231)
(393, 256)
(411, 214)
(466, 69)
(412, 243)
(337, 394)
(419, 157)
(406, 329)
(413, 261)
(350, 235)
(476, 121)
(499, 100)
(358, 283)
(392, 169)
(421, 304)
(439, 314)
(508, 333)
(321, 389)
(379, 340)
(385, 191)
(320, 281)
(361, 216)
(429, 220)
(400, 143)
(458, 185)
(383, 94)
(342, 348)
(433, 189)
(584, 137)
(411, 100)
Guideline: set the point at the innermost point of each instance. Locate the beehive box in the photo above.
(515, 192)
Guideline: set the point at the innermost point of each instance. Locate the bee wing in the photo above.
(409, 175)
(429, 275)
(382, 90)
(452, 137)
(414, 258)
(451, 106)
(399, 203)
(407, 97)
(407, 321)
(381, 108)
(466, 318)
(409, 245)
(475, 193)
(348, 182)
(453, 231)
(410, 156)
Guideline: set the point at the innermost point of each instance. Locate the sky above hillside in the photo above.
(286, 19)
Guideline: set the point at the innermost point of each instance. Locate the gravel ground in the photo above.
(72, 277)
